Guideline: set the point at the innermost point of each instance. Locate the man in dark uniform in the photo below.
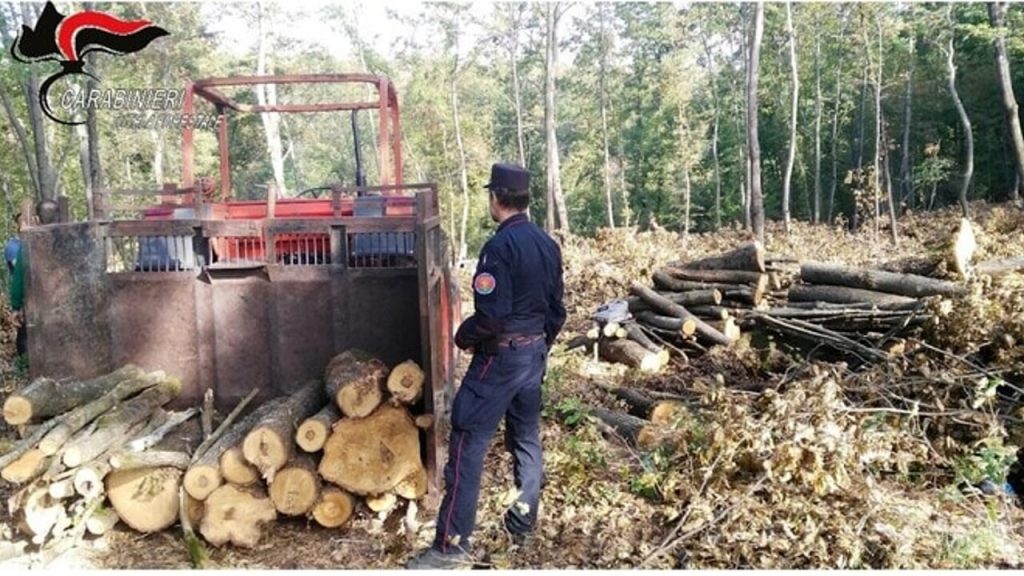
(517, 293)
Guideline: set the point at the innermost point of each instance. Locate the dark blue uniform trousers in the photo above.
(505, 385)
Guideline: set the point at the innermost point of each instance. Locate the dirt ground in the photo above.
(609, 505)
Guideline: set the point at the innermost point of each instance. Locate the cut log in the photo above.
(635, 333)
(1000, 268)
(236, 515)
(334, 508)
(149, 459)
(146, 499)
(382, 503)
(665, 282)
(313, 432)
(356, 382)
(414, 486)
(749, 257)
(88, 479)
(270, 444)
(174, 420)
(846, 295)
(79, 417)
(660, 304)
(675, 325)
(405, 383)
(27, 468)
(580, 341)
(296, 487)
(101, 521)
(112, 428)
(40, 513)
(46, 397)
(711, 312)
(715, 276)
(371, 455)
(236, 469)
(628, 427)
(727, 327)
(963, 248)
(632, 354)
(62, 489)
(878, 280)
(645, 404)
(709, 297)
(203, 476)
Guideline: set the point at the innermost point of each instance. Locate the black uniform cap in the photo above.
(509, 177)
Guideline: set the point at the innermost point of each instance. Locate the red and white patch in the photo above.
(484, 283)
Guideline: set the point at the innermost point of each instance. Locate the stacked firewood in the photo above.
(78, 437)
(313, 453)
(712, 301)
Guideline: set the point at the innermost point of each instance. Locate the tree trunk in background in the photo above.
(835, 125)
(83, 160)
(906, 169)
(714, 126)
(514, 57)
(754, 146)
(964, 120)
(791, 157)
(997, 16)
(267, 95)
(893, 229)
(46, 176)
(745, 118)
(557, 215)
(879, 143)
(816, 215)
(686, 194)
(463, 177)
(604, 118)
(158, 156)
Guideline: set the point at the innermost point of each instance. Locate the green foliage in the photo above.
(991, 461)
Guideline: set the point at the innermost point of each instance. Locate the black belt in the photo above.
(517, 339)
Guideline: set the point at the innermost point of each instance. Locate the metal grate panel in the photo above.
(163, 253)
(382, 249)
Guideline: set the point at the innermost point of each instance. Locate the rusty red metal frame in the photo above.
(388, 134)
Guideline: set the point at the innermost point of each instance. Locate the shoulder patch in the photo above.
(484, 283)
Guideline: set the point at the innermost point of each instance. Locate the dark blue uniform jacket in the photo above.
(517, 288)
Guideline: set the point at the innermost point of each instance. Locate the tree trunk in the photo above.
(313, 432)
(517, 98)
(999, 268)
(204, 475)
(688, 298)
(749, 256)
(405, 383)
(997, 15)
(893, 228)
(632, 354)
(112, 427)
(356, 382)
(83, 160)
(296, 487)
(45, 397)
(844, 295)
(835, 124)
(686, 200)
(906, 168)
(269, 445)
(371, 455)
(266, 94)
(23, 139)
(965, 122)
(903, 284)
(334, 508)
(557, 215)
(709, 56)
(47, 176)
(753, 144)
(157, 137)
(631, 428)
(602, 73)
(791, 157)
(236, 515)
(816, 215)
(78, 418)
(463, 174)
(643, 405)
(666, 306)
(149, 459)
(719, 276)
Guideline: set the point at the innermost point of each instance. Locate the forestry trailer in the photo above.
(229, 294)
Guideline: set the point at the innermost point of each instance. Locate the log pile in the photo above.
(111, 453)
(713, 301)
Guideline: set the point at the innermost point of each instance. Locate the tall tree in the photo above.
(753, 144)
(795, 100)
(816, 216)
(836, 107)
(997, 17)
(906, 169)
(715, 111)
(965, 121)
(604, 46)
(557, 216)
(266, 94)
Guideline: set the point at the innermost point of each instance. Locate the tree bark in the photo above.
(835, 122)
(557, 215)
(906, 168)
(266, 94)
(903, 284)
(753, 144)
(46, 177)
(45, 397)
(269, 445)
(718, 276)
(709, 56)
(356, 382)
(816, 214)
(795, 101)
(997, 16)
(965, 121)
(603, 71)
(749, 256)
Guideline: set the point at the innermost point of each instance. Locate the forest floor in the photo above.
(779, 464)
